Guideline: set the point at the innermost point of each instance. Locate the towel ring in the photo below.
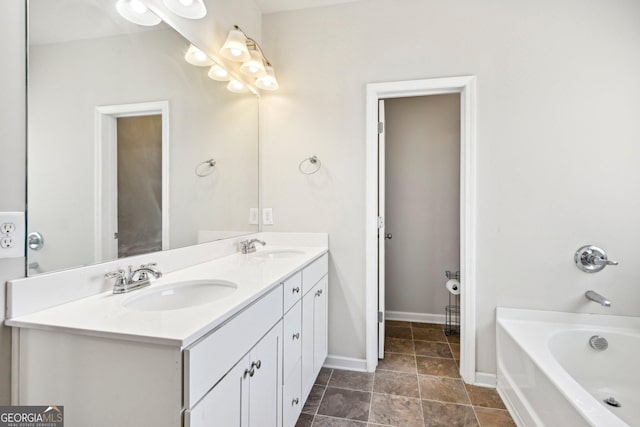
(314, 160)
(209, 163)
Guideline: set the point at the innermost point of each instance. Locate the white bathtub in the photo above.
(549, 376)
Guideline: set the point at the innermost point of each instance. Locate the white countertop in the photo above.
(104, 315)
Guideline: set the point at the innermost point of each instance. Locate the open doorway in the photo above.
(132, 179)
(461, 92)
(419, 198)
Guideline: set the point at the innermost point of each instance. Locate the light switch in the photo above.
(254, 216)
(12, 234)
(267, 216)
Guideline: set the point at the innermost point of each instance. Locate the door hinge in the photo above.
(115, 235)
(380, 127)
(380, 222)
(380, 317)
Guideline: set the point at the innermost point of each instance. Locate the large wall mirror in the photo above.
(131, 149)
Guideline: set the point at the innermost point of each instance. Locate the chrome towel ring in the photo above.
(208, 164)
(315, 162)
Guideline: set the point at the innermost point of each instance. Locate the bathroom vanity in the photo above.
(172, 354)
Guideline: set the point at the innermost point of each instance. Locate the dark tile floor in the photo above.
(416, 384)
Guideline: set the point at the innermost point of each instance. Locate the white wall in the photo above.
(558, 141)
(422, 206)
(67, 81)
(12, 159)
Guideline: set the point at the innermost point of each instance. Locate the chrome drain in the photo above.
(611, 401)
(598, 343)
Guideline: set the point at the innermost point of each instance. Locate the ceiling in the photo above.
(272, 6)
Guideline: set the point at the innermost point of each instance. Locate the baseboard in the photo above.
(346, 363)
(486, 379)
(406, 316)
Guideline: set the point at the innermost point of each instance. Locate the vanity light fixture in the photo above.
(137, 12)
(254, 66)
(268, 81)
(235, 47)
(195, 56)
(236, 86)
(216, 72)
(191, 9)
(255, 63)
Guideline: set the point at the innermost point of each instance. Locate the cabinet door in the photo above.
(226, 403)
(320, 336)
(265, 389)
(308, 376)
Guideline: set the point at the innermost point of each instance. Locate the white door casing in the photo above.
(105, 179)
(466, 87)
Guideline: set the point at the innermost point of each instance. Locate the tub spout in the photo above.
(596, 297)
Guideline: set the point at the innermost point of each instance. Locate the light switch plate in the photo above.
(254, 216)
(12, 234)
(267, 216)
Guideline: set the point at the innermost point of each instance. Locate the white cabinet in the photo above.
(248, 395)
(314, 333)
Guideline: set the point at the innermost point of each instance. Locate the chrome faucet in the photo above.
(596, 297)
(126, 281)
(249, 246)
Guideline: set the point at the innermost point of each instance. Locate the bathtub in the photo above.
(549, 375)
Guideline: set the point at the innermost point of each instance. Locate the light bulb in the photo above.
(253, 69)
(235, 52)
(200, 56)
(138, 7)
(186, 3)
(221, 72)
(237, 85)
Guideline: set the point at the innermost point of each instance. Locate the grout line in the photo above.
(326, 386)
(419, 390)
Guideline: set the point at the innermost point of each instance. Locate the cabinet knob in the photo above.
(251, 372)
(319, 292)
(296, 336)
(295, 401)
(256, 365)
(296, 290)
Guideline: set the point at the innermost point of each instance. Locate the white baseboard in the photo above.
(346, 363)
(406, 316)
(486, 379)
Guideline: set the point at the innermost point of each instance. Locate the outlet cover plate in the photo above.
(12, 229)
(267, 216)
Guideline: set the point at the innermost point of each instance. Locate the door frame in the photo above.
(466, 87)
(105, 162)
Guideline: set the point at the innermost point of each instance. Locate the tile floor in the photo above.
(416, 384)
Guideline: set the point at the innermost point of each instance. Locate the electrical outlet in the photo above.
(7, 242)
(254, 216)
(12, 234)
(267, 216)
(7, 228)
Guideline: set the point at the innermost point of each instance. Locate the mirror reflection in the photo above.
(131, 149)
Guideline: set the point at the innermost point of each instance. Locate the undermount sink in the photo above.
(278, 253)
(175, 296)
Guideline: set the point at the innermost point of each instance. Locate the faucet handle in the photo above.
(149, 265)
(117, 274)
(603, 261)
(592, 259)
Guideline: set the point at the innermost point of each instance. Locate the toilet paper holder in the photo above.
(451, 275)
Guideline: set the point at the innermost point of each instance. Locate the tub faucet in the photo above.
(596, 297)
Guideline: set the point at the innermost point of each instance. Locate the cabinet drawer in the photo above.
(292, 288)
(292, 337)
(206, 361)
(314, 272)
(292, 397)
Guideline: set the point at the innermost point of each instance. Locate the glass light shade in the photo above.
(236, 86)
(135, 11)
(268, 81)
(235, 47)
(254, 66)
(191, 9)
(218, 73)
(195, 56)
